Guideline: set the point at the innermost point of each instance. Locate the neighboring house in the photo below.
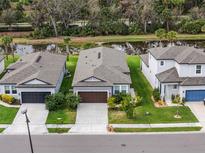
(100, 73)
(1, 63)
(34, 76)
(176, 70)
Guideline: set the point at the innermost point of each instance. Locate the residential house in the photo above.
(34, 76)
(176, 70)
(100, 73)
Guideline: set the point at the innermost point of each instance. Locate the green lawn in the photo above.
(58, 130)
(67, 117)
(143, 89)
(1, 130)
(67, 82)
(7, 115)
(170, 129)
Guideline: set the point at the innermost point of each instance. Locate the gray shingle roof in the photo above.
(42, 66)
(171, 76)
(181, 54)
(106, 64)
(145, 59)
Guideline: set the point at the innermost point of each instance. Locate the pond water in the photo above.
(128, 47)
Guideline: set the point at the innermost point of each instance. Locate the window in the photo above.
(7, 89)
(175, 86)
(124, 89)
(120, 89)
(14, 91)
(116, 89)
(198, 69)
(161, 63)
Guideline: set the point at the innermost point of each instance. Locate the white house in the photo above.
(1, 63)
(176, 70)
(34, 76)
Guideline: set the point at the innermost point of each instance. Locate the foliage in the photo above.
(171, 36)
(120, 97)
(156, 94)
(7, 98)
(193, 27)
(55, 102)
(160, 33)
(134, 28)
(72, 100)
(111, 102)
(203, 29)
(177, 100)
(43, 32)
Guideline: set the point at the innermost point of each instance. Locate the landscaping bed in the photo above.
(7, 114)
(58, 130)
(169, 129)
(156, 115)
(64, 116)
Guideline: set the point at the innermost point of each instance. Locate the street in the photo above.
(105, 143)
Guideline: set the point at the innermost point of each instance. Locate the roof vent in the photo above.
(99, 55)
(38, 59)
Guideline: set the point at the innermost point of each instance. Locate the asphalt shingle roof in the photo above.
(145, 59)
(43, 66)
(181, 54)
(106, 64)
(171, 76)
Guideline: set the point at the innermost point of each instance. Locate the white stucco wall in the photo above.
(2, 66)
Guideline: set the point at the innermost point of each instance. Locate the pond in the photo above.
(128, 47)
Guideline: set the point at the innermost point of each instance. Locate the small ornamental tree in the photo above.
(171, 36)
(160, 33)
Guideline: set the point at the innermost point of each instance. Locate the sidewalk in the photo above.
(156, 125)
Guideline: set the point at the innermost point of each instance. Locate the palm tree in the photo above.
(160, 33)
(67, 43)
(7, 44)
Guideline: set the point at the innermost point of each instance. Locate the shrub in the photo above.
(156, 94)
(55, 102)
(177, 100)
(203, 29)
(193, 27)
(7, 98)
(72, 101)
(120, 97)
(111, 102)
(134, 28)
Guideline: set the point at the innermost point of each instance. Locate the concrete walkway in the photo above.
(198, 109)
(8, 105)
(37, 115)
(91, 118)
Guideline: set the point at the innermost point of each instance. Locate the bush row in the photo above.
(60, 101)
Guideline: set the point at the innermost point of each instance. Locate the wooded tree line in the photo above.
(104, 17)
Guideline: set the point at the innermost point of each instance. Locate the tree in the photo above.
(179, 4)
(67, 43)
(6, 42)
(4, 4)
(171, 36)
(166, 16)
(160, 33)
(203, 29)
(19, 11)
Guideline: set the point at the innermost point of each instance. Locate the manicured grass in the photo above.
(143, 89)
(1, 130)
(67, 117)
(58, 130)
(7, 115)
(67, 82)
(169, 129)
(10, 60)
(106, 39)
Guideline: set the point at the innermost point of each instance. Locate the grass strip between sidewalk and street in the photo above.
(169, 129)
(58, 130)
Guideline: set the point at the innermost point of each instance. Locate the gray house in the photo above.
(34, 76)
(100, 73)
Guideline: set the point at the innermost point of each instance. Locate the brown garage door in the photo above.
(93, 97)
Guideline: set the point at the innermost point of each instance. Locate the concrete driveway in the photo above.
(198, 109)
(37, 115)
(91, 118)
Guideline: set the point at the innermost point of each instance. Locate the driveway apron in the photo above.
(37, 115)
(91, 118)
(198, 109)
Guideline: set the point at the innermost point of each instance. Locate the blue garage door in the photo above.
(195, 95)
